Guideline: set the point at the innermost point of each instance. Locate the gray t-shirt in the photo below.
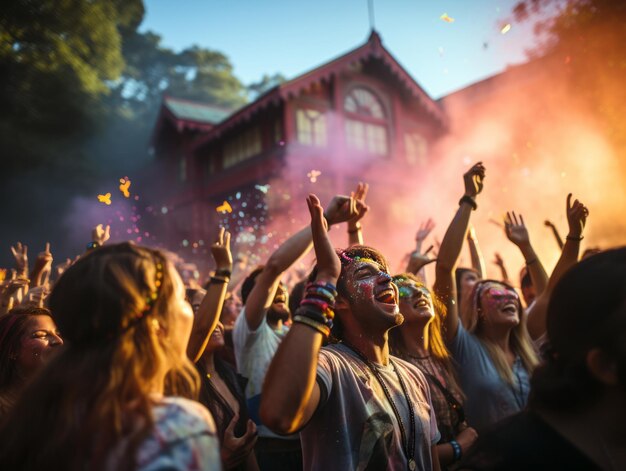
(354, 427)
(488, 397)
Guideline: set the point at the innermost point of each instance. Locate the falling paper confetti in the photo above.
(313, 174)
(124, 185)
(106, 199)
(262, 188)
(506, 28)
(224, 208)
(446, 18)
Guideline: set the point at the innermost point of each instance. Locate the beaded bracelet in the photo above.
(225, 273)
(321, 328)
(574, 238)
(314, 314)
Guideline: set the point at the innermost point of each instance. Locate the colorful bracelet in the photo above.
(321, 328)
(320, 291)
(322, 284)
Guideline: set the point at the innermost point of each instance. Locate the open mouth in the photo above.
(509, 309)
(420, 304)
(387, 296)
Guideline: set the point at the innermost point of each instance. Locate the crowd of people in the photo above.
(113, 362)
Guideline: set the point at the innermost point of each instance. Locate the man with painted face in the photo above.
(260, 328)
(356, 407)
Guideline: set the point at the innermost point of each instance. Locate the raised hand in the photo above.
(235, 450)
(101, 234)
(473, 180)
(328, 265)
(340, 209)
(576, 217)
(43, 267)
(359, 200)
(36, 296)
(20, 254)
(424, 231)
(418, 260)
(515, 229)
(221, 252)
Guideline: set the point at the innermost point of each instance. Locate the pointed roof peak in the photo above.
(374, 37)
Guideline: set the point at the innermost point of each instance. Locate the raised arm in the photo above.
(555, 233)
(355, 229)
(210, 308)
(478, 262)
(517, 233)
(40, 275)
(290, 393)
(576, 219)
(448, 256)
(340, 209)
(504, 274)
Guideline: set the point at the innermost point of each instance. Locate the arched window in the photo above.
(366, 122)
(311, 127)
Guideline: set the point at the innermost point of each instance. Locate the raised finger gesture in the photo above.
(576, 217)
(221, 252)
(419, 260)
(473, 180)
(101, 234)
(20, 254)
(328, 264)
(359, 199)
(424, 230)
(515, 229)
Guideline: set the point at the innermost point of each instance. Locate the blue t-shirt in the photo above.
(489, 397)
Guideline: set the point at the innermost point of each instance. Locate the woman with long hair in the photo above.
(493, 350)
(28, 337)
(101, 404)
(577, 408)
(419, 341)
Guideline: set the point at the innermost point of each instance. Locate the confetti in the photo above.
(262, 188)
(124, 185)
(506, 28)
(313, 174)
(446, 18)
(106, 199)
(224, 208)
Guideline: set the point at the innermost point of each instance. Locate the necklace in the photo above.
(408, 445)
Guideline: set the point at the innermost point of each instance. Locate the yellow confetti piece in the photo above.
(124, 185)
(506, 28)
(106, 199)
(313, 174)
(224, 208)
(446, 18)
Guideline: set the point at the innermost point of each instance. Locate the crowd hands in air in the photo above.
(111, 361)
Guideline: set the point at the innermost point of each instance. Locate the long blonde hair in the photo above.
(113, 308)
(520, 341)
(436, 345)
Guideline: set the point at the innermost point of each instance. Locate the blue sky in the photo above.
(291, 37)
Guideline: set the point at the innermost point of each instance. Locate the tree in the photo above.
(266, 83)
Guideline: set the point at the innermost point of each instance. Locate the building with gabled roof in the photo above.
(341, 122)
